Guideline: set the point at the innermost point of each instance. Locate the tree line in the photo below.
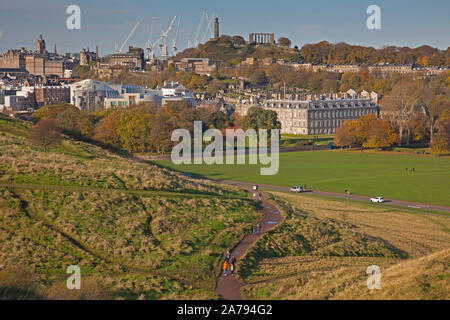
(139, 128)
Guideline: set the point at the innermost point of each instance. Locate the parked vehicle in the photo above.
(297, 189)
(377, 200)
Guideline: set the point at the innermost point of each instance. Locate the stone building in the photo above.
(40, 45)
(316, 116)
(50, 95)
(133, 59)
(36, 63)
(44, 67)
(201, 66)
(13, 59)
(261, 38)
(216, 29)
(87, 56)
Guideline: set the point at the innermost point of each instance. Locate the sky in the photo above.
(409, 23)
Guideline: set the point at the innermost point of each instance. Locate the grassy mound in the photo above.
(323, 249)
(134, 229)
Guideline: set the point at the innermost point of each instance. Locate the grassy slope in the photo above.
(370, 174)
(128, 245)
(420, 279)
(325, 247)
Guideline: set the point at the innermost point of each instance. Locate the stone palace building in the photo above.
(316, 116)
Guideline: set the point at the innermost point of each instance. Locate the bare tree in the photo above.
(45, 133)
(404, 98)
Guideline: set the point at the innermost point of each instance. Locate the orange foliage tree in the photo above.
(366, 132)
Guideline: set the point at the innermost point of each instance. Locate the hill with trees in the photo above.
(226, 48)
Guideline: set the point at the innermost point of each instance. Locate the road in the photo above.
(389, 203)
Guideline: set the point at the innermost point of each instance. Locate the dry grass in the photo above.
(128, 245)
(416, 234)
(76, 163)
(426, 278)
(273, 270)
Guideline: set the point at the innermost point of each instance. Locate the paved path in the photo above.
(229, 287)
(397, 203)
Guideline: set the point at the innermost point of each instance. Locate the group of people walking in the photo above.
(259, 195)
(229, 265)
(256, 228)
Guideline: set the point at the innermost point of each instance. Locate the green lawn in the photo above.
(294, 138)
(364, 173)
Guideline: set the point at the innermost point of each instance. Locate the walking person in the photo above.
(258, 228)
(227, 257)
(260, 196)
(233, 265)
(225, 267)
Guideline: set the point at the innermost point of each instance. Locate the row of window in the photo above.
(334, 114)
(312, 124)
(340, 114)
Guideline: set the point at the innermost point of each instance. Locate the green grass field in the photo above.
(292, 139)
(366, 173)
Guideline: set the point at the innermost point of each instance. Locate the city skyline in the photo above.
(104, 22)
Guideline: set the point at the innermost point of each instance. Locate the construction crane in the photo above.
(208, 27)
(151, 45)
(116, 46)
(174, 40)
(164, 35)
(199, 28)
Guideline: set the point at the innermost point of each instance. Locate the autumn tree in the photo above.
(406, 95)
(441, 142)
(436, 107)
(175, 115)
(238, 41)
(134, 128)
(71, 120)
(347, 135)
(366, 132)
(46, 133)
(106, 130)
(284, 42)
(380, 135)
(49, 111)
(258, 77)
(160, 133)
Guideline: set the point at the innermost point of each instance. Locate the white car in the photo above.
(377, 200)
(297, 189)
